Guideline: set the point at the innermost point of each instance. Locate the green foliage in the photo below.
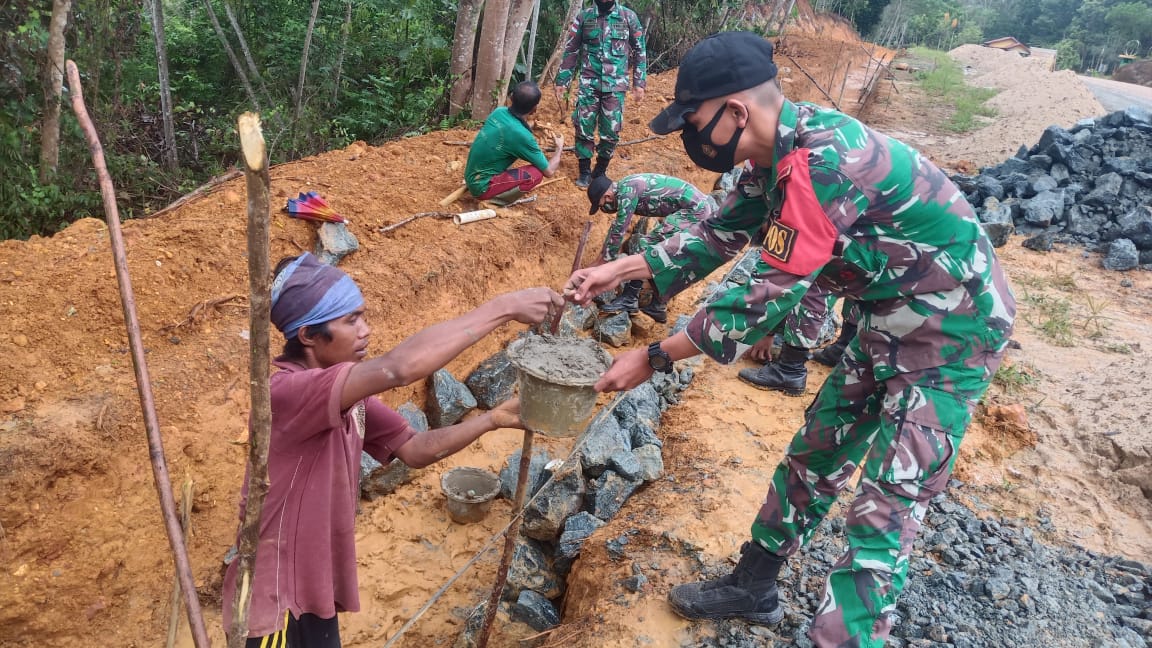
(1014, 377)
(1068, 54)
(946, 80)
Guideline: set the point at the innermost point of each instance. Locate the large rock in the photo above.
(1085, 222)
(334, 243)
(562, 497)
(448, 400)
(603, 439)
(651, 462)
(576, 318)
(378, 480)
(998, 233)
(641, 405)
(1106, 191)
(1042, 242)
(608, 493)
(511, 471)
(1136, 226)
(1045, 208)
(493, 381)
(535, 610)
(531, 570)
(615, 330)
(577, 529)
(1122, 255)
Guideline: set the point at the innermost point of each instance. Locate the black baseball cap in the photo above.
(596, 190)
(719, 65)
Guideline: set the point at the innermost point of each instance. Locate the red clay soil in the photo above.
(82, 546)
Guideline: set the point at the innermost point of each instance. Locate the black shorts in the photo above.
(309, 631)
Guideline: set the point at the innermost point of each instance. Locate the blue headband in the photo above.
(308, 292)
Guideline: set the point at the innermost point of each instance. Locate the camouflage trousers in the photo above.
(598, 109)
(810, 322)
(906, 432)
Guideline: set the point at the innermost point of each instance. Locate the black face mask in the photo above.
(605, 8)
(609, 207)
(706, 155)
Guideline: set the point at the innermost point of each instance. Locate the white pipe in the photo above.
(473, 216)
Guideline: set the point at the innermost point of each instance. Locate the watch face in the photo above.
(658, 359)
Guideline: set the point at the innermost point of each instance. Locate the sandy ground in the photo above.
(82, 548)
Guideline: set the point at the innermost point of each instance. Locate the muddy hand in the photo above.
(507, 414)
(628, 370)
(586, 283)
(762, 350)
(533, 305)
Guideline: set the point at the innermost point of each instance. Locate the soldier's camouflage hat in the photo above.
(719, 65)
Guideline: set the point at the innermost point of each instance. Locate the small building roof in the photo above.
(1008, 43)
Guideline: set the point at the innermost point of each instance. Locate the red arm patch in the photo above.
(801, 239)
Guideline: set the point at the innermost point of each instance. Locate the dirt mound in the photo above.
(1139, 73)
(1030, 99)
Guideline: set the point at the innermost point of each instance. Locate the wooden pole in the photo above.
(509, 541)
(143, 382)
(575, 267)
(260, 313)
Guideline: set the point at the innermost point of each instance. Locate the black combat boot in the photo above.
(787, 373)
(628, 299)
(657, 310)
(749, 592)
(601, 166)
(831, 354)
(585, 178)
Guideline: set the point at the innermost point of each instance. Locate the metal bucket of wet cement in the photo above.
(470, 492)
(556, 379)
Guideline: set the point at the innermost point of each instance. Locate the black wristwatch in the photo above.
(658, 358)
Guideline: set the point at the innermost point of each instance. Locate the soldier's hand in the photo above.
(586, 283)
(531, 305)
(628, 370)
(638, 94)
(558, 140)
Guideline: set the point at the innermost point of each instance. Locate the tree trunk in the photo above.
(518, 15)
(231, 55)
(304, 59)
(532, 38)
(344, 31)
(490, 63)
(245, 51)
(463, 44)
(553, 64)
(156, 8)
(53, 84)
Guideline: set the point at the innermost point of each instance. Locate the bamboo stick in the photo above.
(143, 382)
(259, 312)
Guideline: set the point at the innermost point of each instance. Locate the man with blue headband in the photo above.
(323, 416)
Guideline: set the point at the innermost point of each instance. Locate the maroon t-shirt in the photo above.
(306, 557)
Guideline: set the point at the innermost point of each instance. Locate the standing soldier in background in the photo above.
(602, 41)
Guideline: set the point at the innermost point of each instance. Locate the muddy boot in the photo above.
(601, 166)
(787, 373)
(585, 173)
(626, 301)
(657, 310)
(831, 354)
(749, 592)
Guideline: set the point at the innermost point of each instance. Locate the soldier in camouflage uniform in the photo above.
(649, 195)
(866, 217)
(603, 42)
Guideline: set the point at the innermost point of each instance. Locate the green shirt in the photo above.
(502, 140)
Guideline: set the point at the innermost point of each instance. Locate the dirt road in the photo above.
(1117, 95)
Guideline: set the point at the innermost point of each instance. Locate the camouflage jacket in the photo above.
(602, 47)
(877, 223)
(655, 196)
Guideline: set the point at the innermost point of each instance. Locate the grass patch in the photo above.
(945, 79)
(1014, 377)
(1052, 317)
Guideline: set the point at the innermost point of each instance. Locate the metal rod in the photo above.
(143, 382)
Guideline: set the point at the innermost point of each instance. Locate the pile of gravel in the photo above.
(1089, 185)
(974, 583)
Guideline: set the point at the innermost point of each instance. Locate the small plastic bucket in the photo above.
(557, 404)
(470, 492)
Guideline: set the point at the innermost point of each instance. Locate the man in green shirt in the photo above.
(866, 217)
(505, 138)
